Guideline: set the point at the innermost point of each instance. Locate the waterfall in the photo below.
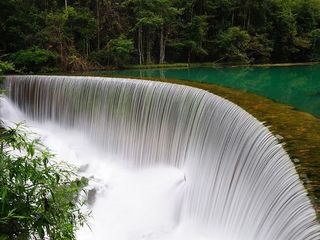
(239, 182)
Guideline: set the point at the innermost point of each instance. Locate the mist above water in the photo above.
(126, 203)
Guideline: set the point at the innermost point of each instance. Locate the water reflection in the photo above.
(298, 86)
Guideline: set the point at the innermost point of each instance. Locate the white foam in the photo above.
(171, 162)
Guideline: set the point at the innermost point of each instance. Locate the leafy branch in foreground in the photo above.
(39, 197)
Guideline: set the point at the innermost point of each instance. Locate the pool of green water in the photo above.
(298, 86)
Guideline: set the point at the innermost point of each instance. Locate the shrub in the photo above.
(100, 57)
(34, 60)
(75, 62)
(6, 67)
(119, 50)
(315, 42)
(39, 197)
(234, 43)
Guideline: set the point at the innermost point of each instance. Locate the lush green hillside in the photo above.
(80, 34)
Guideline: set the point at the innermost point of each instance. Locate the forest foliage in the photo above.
(39, 196)
(82, 34)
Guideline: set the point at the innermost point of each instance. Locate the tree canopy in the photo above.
(79, 34)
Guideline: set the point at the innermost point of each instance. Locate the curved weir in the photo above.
(239, 182)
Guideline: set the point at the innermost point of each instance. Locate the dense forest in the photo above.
(51, 35)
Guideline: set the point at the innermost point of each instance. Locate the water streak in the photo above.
(239, 182)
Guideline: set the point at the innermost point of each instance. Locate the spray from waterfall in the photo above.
(231, 178)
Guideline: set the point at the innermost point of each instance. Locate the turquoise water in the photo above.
(298, 86)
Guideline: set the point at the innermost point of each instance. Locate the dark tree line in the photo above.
(79, 34)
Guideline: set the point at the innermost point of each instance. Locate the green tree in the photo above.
(147, 23)
(69, 32)
(279, 30)
(167, 13)
(283, 31)
(195, 34)
(260, 48)
(233, 44)
(34, 60)
(21, 23)
(118, 50)
(315, 44)
(80, 27)
(6, 67)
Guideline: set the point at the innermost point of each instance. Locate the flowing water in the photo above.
(298, 86)
(168, 162)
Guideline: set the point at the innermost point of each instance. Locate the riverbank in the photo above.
(194, 65)
(297, 130)
(210, 64)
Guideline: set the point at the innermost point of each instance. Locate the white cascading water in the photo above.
(169, 161)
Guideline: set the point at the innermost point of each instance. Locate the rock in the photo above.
(92, 196)
(303, 176)
(296, 160)
(83, 168)
(279, 137)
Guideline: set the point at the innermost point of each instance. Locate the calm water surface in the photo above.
(298, 86)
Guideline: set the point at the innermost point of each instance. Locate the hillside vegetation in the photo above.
(75, 35)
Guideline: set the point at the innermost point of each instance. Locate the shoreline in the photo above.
(168, 66)
(206, 64)
(190, 65)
